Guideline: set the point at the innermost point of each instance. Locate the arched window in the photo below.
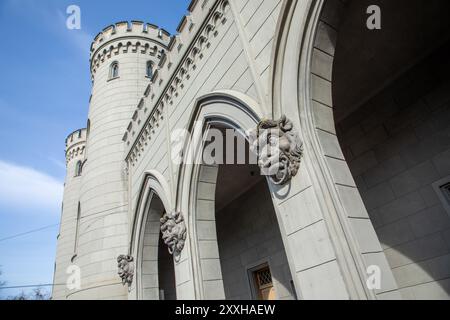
(149, 69)
(114, 70)
(78, 168)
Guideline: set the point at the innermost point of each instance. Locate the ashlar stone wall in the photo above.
(398, 146)
(249, 236)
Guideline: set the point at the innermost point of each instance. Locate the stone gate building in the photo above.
(363, 188)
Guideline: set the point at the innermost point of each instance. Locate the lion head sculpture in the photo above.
(126, 269)
(279, 149)
(173, 231)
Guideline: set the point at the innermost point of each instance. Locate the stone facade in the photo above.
(396, 153)
(246, 247)
(359, 190)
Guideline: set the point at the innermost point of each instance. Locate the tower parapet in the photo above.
(124, 37)
(75, 144)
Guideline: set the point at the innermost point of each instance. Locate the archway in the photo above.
(154, 277)
(302, 60)
(207, 191)
(251, 260)
(389, 91)
(391, 85)
(328, 65)
(157, 272)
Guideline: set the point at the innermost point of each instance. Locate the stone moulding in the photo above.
(122, 46)
(76, 144)
(282, 164)
(125, 264)
(171, 80)
(173, 229)
(75, 152)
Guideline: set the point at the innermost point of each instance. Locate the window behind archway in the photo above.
(390, 92)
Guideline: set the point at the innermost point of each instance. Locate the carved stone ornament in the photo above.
(125, 265)
(173, 229)
(279, 149)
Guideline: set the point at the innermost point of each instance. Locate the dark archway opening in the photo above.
(157, 270)
(166, 273)
(252, 255)
(391, 97)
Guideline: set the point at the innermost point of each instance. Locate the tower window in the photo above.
(149, 69)
(78, 168)
(114, 70)
(442, 188)
(77, 226)
(88, 127)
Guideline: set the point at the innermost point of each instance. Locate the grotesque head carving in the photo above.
(126, 269)
(173, 231)
(279, 149)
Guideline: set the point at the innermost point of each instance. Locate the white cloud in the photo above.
(80, 39)
(27, 188)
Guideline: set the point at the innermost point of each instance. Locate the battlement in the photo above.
(75, 144)
(76, 137)
(129, 29)
(124, 37)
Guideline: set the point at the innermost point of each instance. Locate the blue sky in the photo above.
(44, 93)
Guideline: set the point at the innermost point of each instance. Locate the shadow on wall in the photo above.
(391, 94)
(248, 234)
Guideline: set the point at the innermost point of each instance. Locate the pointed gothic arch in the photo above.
(295, 91)
(303, 84)
(196, 194)
(145, 244)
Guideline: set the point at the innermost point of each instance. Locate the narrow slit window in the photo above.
(78, 168)
(114, 70)
(149, 69)
(77, 226)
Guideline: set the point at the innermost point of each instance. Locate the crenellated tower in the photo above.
(123, 60)
(75, 158)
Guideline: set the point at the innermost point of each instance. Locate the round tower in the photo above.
(123, 58)
(75, 157)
